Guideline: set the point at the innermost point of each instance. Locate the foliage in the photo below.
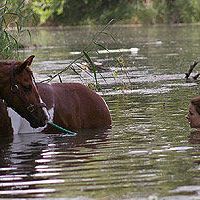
(80, 12)
(13, 13)
(46, 9)
(177, 11)
(85, 11)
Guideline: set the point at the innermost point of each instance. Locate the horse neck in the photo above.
(46, 93)
(5, 124)
(5, 79)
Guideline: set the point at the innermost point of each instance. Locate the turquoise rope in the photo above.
(63, 130)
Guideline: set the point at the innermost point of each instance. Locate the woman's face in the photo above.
(193, 117)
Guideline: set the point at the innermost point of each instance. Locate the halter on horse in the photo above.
(19, 91)
(70, 105)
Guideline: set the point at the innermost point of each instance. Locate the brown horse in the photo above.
(5, 121)
(30, 106)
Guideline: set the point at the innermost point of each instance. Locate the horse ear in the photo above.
(26, 63)
(29, 60)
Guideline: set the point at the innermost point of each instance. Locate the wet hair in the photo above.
(196, 102)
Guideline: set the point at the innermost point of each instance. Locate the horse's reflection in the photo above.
(24, 152)
(25, 157)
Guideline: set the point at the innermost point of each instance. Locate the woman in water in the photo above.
(193, 118)
(193, 115)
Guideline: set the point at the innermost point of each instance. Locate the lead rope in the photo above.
(63, 130)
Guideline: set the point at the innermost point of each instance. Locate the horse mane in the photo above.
(9, 62)
(5, 69)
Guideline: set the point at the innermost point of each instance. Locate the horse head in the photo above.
(18, 89)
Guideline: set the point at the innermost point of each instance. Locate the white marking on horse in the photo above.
(15, 120)
(44, 108)
(21, 125)
(51, 114)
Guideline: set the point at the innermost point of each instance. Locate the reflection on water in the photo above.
(194, 137)
(148, 154)
(35, 162)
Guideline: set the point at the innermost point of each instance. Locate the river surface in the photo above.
(149, 154)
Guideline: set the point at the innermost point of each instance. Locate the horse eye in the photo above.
(27, 88)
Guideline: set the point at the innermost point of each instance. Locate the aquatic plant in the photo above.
(93, 48)
(14, 16)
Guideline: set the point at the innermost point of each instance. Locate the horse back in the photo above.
(78, 107)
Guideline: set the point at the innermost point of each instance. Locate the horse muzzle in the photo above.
(38, 123)
(38, 118)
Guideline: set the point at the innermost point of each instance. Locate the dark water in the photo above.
(150, 152)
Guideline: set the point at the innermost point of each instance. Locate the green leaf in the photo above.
(92, 65)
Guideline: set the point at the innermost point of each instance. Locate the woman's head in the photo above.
(196, 102)
(193, 115)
